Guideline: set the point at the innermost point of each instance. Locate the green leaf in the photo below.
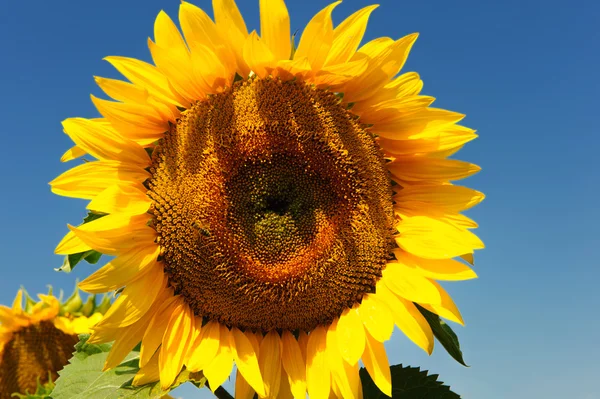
(444, 334)
(83, 377)
(90, 256)
(408, 383)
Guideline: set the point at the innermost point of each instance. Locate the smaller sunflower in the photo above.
(37, 340)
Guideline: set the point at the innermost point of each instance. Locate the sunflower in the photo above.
(38, 340)
(275, 207)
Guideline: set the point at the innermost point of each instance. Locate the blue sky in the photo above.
(524, 72)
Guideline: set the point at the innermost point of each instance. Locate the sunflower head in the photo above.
(277, 206)
(37, 338)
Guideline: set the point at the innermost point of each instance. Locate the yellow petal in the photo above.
(408, 318)
(317, 38)
(408, 284)
(233, 29)
(72, 153)
(303, 343)
(246, 359)
(339, 369)
(376, 317)
(431, 239)
(243, 390)
(258, 56)
(196, 331)
(177, 65)
(166, 33)
(270, 363)
(409, 209)
(156, 330)
(318, 380)
(148, 77)
(197, 26)
(351, 336)
(148, 373)
(83, 325)
(293, 364)
(116, 224)
(396, 109)
(386, 58)
(208, 68)
(425, 122)
(134, 121)
(9, 320)
(348, 35)
(405, 85)
(201, 33)
(275, 28)
(116, 234)
(337, 75)
(376, 363)
(175, 344)
(450, 138)
(71, 244)
(90, 179)
(438, 269)
(422, 168)
(122, 270)
(128, 199)
(103, 143)
(448, 197)
(219, 369)
(17, 305)
(288, 69)
(228, 15)
(134, 301)
(126, 339)
(285, 391)
(172, 57)
(206, 346)
(122, 91)
(447, 308)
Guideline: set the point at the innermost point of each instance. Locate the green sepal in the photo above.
(42, 391)
(91, 256)
(407, 383)
(444, 334)
(29, 301)
(294, 47)
(89, 306)
(83, 377)
(104, 305)
(73, 304)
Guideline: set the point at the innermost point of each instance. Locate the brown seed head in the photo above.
(272, 205)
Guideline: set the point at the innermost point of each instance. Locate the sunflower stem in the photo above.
(221, 393)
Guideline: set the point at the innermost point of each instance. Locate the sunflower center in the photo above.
(32, 353)
(272, 206)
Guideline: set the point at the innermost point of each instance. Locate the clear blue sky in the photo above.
(524, 72)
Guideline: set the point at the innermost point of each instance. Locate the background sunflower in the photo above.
(38, 338)
(514, 67)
